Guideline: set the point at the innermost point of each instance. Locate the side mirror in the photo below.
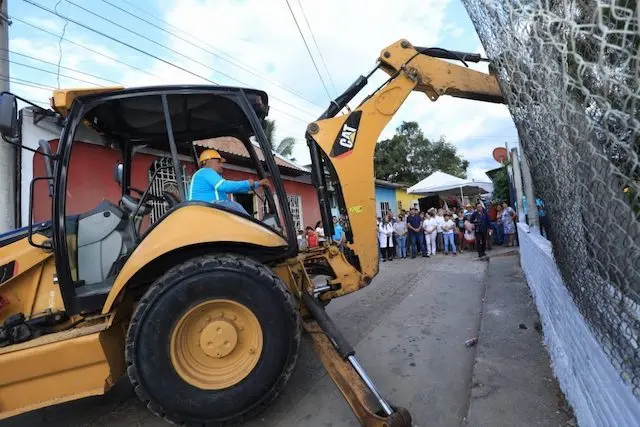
(8, 114)
(117, 173)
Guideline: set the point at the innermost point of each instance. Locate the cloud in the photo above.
(457, 32)
(263, 36)
(44, 23)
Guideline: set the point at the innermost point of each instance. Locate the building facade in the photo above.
(386, 197)
(405, 200)
(91, 178)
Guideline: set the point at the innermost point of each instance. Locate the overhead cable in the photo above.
(313, 37)
(209, 49)
(308, 50)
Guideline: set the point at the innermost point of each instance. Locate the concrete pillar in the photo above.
(7, 151)
(529, 193)
(517, 178)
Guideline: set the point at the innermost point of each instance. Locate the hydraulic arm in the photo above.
(347, 142)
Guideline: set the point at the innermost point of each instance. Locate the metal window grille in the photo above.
(295, 206)
(385, 208)
(165, 180)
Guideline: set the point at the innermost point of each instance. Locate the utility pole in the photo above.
(7, 151)
(529, 193)
(517, 178)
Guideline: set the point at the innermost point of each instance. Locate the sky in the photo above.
(253, 43)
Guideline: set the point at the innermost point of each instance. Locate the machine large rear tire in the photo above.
(213, 341)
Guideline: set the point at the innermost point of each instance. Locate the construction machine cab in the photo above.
(93, 246)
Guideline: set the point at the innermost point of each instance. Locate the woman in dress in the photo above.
(508, 222)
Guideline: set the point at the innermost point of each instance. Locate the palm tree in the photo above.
(284, 147)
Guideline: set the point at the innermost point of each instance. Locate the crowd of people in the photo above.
(419, 233)
(446, 231)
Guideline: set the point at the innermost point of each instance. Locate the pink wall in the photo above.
(90, 180)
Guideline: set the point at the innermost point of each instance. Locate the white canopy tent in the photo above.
(448, 185)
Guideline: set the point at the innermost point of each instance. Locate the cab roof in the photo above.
(136, 115)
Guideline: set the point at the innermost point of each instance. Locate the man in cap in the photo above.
(208, 185)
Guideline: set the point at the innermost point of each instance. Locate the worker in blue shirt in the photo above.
(208, 185)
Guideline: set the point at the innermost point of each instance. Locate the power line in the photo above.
(308, 50)
(51, 72)
(212, 51)
(64, 30)
(130, 46)
(317, 47)
(28, 83)
(176, 52)
(33, 101)
(33, 58)
(39, 6)
(84, 47)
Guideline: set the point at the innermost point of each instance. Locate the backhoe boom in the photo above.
(348, 141)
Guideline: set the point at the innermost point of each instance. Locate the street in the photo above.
(408, 327)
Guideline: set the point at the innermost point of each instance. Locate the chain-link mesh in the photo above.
(569, 72)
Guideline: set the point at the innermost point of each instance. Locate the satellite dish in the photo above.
(500, 154)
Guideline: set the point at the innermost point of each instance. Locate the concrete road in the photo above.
(408, 328)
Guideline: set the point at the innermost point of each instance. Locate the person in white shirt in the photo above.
(440, 220)
(320, 231)
(448, 229)
(430, 226)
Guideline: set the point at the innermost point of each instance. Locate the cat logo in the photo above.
(346, 139)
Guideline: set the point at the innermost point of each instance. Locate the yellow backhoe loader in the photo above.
(204, 308)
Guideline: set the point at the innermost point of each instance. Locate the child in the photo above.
(302, 241)
(312, 238)
(448, 227)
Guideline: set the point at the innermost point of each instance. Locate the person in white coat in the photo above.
(385, 237)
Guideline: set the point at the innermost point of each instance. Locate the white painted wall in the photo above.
(591, 384)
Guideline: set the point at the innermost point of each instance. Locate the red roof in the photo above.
(231, 145)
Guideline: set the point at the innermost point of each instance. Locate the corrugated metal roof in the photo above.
(383, 183)
(231, 145)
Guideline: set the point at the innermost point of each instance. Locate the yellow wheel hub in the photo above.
(216, 344)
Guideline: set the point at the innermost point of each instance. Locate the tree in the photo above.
(501, 184)
(409, 156)
(270, 130)
(285, 146)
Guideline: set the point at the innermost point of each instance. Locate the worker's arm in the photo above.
(245, 186)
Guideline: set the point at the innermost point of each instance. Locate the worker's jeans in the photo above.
(231, 205)
(416, 240)
(448, 240)
(401, 246)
